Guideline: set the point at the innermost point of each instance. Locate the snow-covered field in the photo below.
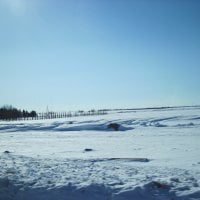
(155, 155)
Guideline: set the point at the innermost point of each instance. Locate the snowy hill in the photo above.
(155, 155)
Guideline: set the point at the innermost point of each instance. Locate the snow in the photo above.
(155, 155)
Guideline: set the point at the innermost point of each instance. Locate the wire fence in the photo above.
(55, 115)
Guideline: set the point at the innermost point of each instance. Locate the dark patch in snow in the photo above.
(160, 185)
(114, 126)
(185, 125)
(6, 151)
(88, 150)
(122, 159)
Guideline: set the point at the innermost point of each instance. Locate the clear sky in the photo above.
(84, 54)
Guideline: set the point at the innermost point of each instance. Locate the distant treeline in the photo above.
(11, 113)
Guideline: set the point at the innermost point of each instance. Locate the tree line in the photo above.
(11, 113)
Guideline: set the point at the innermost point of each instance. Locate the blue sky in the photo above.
(84, 54)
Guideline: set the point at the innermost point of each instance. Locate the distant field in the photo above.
(155, 154)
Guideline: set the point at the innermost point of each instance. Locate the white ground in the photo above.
(155, 155)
